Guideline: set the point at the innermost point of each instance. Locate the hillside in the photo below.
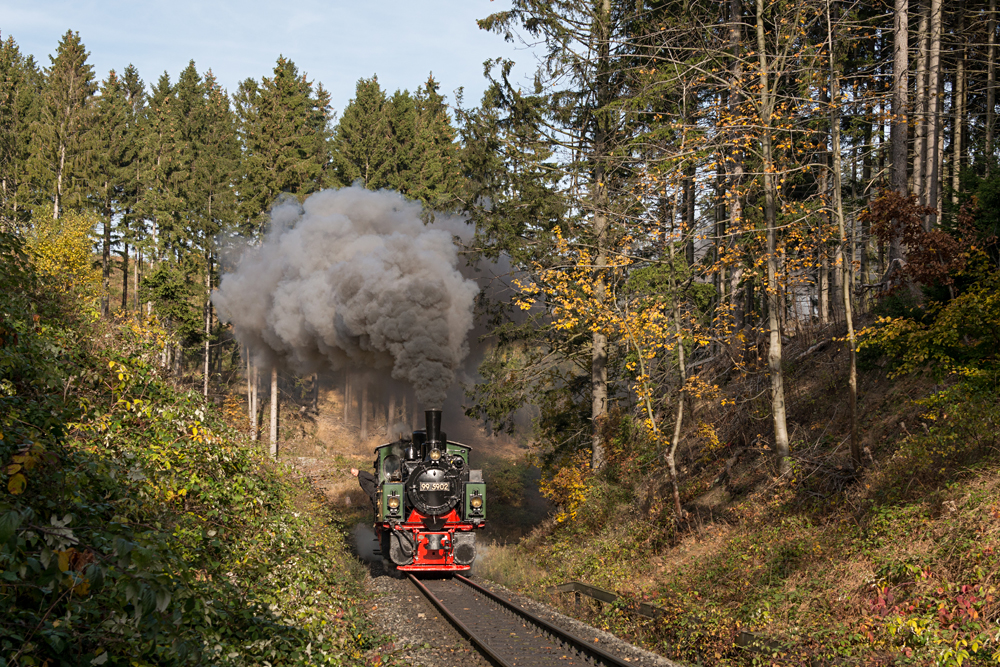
(893, 564)
(137, 526)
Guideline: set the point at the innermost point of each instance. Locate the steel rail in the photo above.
(462, 627)
(569, 639)
(581, 646)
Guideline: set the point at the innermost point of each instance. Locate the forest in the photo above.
(750, 249)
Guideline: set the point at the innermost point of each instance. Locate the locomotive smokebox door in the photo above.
(433, 490)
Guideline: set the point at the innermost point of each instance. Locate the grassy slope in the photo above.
(896, 566)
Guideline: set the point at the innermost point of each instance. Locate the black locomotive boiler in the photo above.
(429, 504)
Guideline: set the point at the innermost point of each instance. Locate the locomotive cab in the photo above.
(429, 502)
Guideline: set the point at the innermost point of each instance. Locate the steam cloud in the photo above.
(354, 279)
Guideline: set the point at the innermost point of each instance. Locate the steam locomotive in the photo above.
(429, 503)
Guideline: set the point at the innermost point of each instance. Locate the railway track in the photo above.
(504, 632)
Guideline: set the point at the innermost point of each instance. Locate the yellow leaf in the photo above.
(16, 484)
(64, 559)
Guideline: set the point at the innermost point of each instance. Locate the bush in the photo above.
(136, 528)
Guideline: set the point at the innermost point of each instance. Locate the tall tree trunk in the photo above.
(845, 266)
(315, 394)
(125, 278)
(208, 325)
(136, 266)
(824, 284)
(249, 378)
(59, 180)
(364, 410)
(935, 144)
(106, 265)
(390, 419)
(898, 132)
(347, 397)
(991, 79)
(255, 415)
(958, 109)
(774, 355)
(274, 411)
(599, 342)
(736, 180)
(920, 104)
(679, 418)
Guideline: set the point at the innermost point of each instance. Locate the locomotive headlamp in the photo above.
(435, 454)
(393, 502)
(476, 502)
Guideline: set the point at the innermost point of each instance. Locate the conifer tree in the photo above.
(283, 126)
(130, 227)
(109, 157)
(363, 143)
(433, 174)
(59, 133)
(156, 165)
(20, 91)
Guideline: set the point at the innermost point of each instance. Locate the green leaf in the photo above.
(8, 525)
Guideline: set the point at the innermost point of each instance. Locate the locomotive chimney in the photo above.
(433, 425)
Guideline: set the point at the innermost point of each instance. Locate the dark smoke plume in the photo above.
(354, 279)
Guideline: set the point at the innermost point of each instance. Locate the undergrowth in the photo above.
(897, 566)
(136, 527)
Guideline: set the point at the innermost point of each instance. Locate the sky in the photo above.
(334, 41)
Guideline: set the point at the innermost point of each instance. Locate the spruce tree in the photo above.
(434, 175)
(363, 143)
(283, 126)
(157, 163)
(130, 225)
(107, 164)
(67, 103)
(405, 142)
(20, 97)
